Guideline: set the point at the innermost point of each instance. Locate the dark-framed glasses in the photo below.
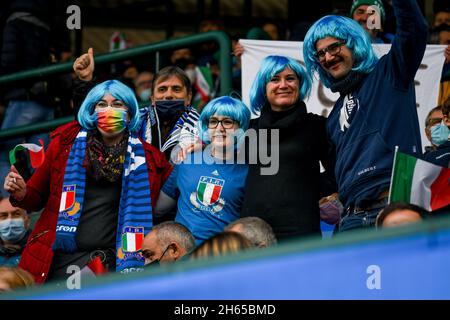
(227, 123)
(333, 49)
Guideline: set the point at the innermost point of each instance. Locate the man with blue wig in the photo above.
(376, 110)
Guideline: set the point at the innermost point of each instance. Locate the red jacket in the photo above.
(44, 191)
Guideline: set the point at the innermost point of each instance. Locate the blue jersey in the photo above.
(210, 196)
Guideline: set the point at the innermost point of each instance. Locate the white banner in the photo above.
(322, 99)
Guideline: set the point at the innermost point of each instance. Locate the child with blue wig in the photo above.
(376, 110)
(288, 198)
(209, 184)
(97, 186)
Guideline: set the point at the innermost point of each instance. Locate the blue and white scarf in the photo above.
(135, 211)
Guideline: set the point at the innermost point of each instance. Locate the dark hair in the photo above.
(446, 107)
(396, 206)
(169, 72)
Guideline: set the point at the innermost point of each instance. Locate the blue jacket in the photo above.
(381, 113)
(440, 156)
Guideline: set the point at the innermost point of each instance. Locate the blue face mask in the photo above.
(12, 230)
(145, 95)
(170, 108)
(439, 134)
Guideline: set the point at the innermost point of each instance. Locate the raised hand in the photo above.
(84, 66)
(15, 184)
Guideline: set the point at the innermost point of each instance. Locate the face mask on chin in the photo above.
(12, 230)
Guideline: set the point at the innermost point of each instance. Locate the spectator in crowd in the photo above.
(168, 242)
(364, 124)
(13, 278)
(14, 232)
(398, 214)
(209, 184)
(143, 86)
(272, 30)
(169, 120)
(433, 118)
(440, 137)
(443, 38)
(256, 230)
(370, 14)
(97, 185)
(441, 9)
(278, 91)
(26, 45)
(221, 244)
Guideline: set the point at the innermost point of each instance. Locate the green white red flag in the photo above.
(419, 182)
(37, 153)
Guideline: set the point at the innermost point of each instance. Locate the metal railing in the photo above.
(220, 37)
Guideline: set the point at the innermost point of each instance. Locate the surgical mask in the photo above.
(170, 108)
(439, 134)
(145, 95)
(111, 121)
(12, 230)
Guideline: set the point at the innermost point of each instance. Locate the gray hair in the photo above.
(169, 231)
(256, 230)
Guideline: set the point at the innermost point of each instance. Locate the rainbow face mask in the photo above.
(112, 120)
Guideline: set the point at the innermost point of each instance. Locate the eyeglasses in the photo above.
(114, 104)
(333, 49)
(227, 123)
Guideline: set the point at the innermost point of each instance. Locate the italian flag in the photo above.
(132, 239)
(203, 84)
(419, 182)
(37, 155)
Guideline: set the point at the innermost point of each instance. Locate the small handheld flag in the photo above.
(37, 155)
(419, 182)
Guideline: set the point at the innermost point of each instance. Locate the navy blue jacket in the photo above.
(381, 114)
(440, 156)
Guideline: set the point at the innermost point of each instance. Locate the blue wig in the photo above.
(87, 116)
(224, 106)
(345, 29)
(271, 66)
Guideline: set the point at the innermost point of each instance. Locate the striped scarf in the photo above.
(135, 211)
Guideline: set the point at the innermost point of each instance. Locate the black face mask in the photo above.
(168, 109)
(156, 262)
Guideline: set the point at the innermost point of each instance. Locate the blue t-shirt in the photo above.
(210, 195)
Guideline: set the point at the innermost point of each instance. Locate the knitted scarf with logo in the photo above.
(135, 211)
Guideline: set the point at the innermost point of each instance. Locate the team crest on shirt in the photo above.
(207, 196)
(348, 111)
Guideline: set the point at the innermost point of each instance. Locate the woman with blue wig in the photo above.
(97, 185)
(287, 199)
(209, 184)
